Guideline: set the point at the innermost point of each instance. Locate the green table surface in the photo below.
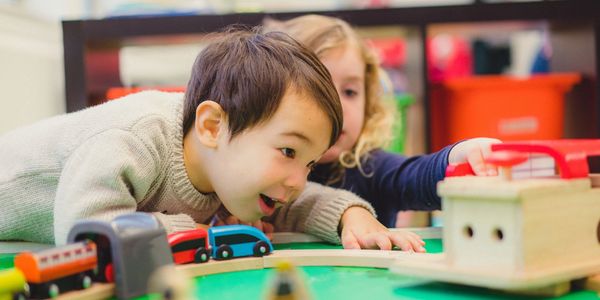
(342, 282)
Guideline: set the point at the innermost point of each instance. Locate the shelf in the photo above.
(566, 10)
(84, 37)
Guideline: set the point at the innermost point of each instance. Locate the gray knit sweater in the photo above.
(119, 157)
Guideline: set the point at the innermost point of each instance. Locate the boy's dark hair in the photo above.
(248, 73)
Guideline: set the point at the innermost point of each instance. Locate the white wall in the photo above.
(31, 67)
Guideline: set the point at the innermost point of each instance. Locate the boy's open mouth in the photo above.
(267, 205)
(267, 200)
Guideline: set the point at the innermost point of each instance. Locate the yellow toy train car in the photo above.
(12, 284)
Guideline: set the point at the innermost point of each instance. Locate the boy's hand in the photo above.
(202, 226)
(474, 151)
(360, 230)
(265, 227)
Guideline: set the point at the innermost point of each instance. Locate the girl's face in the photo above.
(347, 70)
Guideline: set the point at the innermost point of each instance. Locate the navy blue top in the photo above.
(396, 183)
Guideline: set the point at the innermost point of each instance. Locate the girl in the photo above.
(390, 182)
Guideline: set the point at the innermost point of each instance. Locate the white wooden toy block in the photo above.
(519, 234)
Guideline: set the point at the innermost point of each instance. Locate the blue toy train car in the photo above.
(238, 240)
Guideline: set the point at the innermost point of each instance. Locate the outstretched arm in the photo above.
(393, 182)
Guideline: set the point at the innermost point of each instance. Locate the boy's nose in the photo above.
(296, 180)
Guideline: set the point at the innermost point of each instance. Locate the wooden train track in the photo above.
(321, 257)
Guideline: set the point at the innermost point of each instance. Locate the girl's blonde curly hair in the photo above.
(321, 34)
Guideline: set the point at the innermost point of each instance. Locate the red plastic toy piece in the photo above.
(570, 155)
(506, 158)
(109, 273)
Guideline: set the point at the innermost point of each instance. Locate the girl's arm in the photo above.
(394, 182)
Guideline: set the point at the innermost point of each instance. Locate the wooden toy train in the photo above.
(97, 250)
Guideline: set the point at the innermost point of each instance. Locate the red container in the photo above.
(118, 92)
(502, 107)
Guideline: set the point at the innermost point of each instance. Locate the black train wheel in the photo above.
(224, 252)
(261, 248)
(201, 255)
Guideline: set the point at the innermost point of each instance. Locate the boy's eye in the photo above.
(288, 152)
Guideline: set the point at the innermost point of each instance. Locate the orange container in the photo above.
(502, 107)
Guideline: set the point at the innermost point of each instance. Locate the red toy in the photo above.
(189, 246)
(570, 155)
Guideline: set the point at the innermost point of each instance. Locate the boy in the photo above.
(259, 111)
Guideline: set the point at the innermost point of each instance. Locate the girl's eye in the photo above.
(288, 152)
(350, 93)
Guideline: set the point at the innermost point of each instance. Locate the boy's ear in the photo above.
(209, 119)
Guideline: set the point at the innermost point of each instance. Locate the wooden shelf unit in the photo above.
(82, 37)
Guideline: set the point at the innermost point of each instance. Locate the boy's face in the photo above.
(347, 70)
(268, 164)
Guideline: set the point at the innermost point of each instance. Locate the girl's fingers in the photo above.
(477, 162)
(476, 159)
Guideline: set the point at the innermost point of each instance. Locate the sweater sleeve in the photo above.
(106, 176)
(317, 211)
(409, 183)
(392, 182)
(175, 223)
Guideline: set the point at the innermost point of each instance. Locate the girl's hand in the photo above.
(360, 230)
(474, 151)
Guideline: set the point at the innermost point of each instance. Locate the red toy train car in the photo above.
(189, 246)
